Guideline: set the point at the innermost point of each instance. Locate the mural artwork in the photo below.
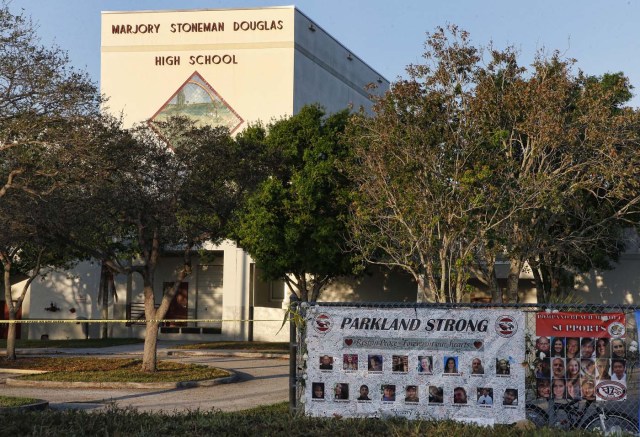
(198, 101)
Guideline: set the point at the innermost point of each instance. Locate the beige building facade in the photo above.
(230, 67)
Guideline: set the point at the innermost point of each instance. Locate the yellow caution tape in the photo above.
(26, 321)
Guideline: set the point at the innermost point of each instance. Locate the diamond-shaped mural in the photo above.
(197, 100)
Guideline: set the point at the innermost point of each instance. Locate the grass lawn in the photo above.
(89, 369)
(10, 401)
(264, 421)
(92, 342)
(249, 346)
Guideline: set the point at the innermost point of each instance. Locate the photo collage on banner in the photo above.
(417, 363)
(580, 356)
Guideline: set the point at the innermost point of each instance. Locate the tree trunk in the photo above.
(318, 285)
(487, 267)
(300, 284)
(515, 266)
(14, 306)
(11, 340)
(425, 292)
(461, 288)
(444, 278)
(11, 331)
(541, 292)
(150, 355)
(496, 293)
(428, 283)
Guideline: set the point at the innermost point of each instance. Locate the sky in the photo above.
(604, 36)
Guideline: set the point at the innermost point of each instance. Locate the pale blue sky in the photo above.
(604, 36)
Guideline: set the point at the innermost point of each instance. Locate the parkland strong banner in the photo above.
(463, 364)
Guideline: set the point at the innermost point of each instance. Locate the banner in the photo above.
(609, 325)
(580, 356)
(463, 364)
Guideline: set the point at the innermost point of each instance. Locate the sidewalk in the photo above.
(165, 348)
(260, 380)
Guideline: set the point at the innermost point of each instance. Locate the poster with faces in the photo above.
(580, 356)
(415, 363)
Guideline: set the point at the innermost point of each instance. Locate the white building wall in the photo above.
(16, 290)
(621, 285)
(234, 295)
(74, 293)
(268, 325)
(328, 73)
(78, 289)
(258, 85)
(275, 72)
(118, 309)
(378, 284)
(618, 286)
(235, 289)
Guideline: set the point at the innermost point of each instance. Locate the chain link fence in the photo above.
(581, 361)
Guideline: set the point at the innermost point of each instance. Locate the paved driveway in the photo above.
(262, 381)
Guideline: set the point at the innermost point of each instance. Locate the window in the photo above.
(265, 290)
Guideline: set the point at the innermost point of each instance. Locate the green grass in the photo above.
(97, 342)
(11, 401)
(249, 346)
(87, 369)
(263, 421)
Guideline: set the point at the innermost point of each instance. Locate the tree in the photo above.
(555, 132)
(470, 161)
(41, 99)
(39, 93)
(133, 199)
(421, 178)
(27, 251)
(293, 225)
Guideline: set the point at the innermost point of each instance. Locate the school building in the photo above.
(232, 67)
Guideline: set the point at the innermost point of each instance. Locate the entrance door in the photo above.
(178, 308)
(209, 291)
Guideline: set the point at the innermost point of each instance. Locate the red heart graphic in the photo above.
(348, 341)
(477, 344)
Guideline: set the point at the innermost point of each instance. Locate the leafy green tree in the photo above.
(133, 199)
(42, 104)
(554, 133)
(473, 160)
(27, 251)
(422, 182)
(39, 93)
(293, 224)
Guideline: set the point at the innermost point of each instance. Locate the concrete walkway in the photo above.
(260, 381)
(165, 348)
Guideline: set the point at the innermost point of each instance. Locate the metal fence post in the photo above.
(293, 355)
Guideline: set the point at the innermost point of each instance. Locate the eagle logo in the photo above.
(506, 326)
(322, 323)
